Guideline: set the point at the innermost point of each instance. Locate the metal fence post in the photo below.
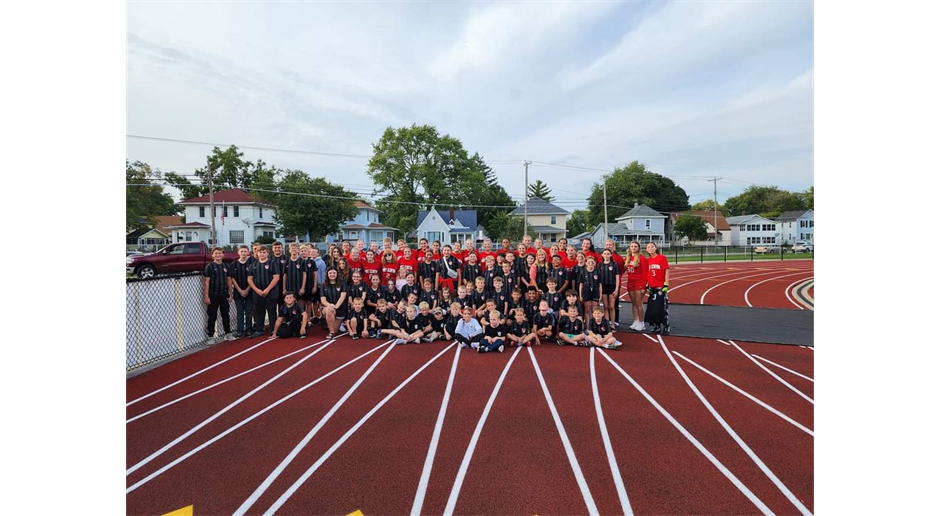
(752, 254)
(177, 287)
(701, 255)
(726, 253)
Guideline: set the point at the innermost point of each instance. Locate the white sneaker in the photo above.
(230, 337)
(342, 327)
(400, 341)
(640, 326)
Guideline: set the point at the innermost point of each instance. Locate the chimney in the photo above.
(451, 213)
(635, 204)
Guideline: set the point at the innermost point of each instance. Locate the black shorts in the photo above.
(609, 288)
(311, 296)
(591, 294)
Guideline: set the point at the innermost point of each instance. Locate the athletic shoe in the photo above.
(426, 339)
(303, 335)
(355, 337)
(664, 330)
(615, 345)
(463, 345)
(400, 341)
(481, 349)
(230, 336)
(256, 334)
(342, 327)
(501, 348)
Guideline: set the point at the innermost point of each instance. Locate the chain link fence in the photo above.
(166, 316)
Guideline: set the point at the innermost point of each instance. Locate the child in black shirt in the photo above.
(600, 332)
(493, 335)
(543, 323)
(571, 328)
(291, 320)
(519, 333)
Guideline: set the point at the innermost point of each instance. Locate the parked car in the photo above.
(761, 249)
(174, 258)
(802, 247)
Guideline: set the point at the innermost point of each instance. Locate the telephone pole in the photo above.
(715, 180)
(525, 204)
(211, 201)
(605, 215)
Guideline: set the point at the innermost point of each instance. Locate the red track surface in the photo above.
(519, 465)
(726, 283)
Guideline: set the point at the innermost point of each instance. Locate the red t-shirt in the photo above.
(409, 265)
(371, 269)
(389, 271)
(637, 274)
(569, 263)
(656, 271)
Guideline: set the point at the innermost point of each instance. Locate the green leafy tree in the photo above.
(229, 170)
(504, 225)
(691, 227)
(578, 222)
(541, 190)
(311, 206)
(143, 203)
(808, 198)
(707, 205)
(634, 183)
(417, 167)
(490, 193)
(766, 201)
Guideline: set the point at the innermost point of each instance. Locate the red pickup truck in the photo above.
(174, 258)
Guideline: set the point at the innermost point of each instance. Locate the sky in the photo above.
(691, 89)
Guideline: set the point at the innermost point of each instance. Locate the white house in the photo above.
(796, 225)
(448, 226)
(545, 220)
(753, 230)
(365, 226)
(239, 219)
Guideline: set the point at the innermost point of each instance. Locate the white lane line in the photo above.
(695, 442)
(569, 451)
(316, 465)
(248, 420)
(614, 469)
(220, 382)
(228, 407)
(750, 453)
(648, 337)
(786, 292)
(462, 472)
(746, 395)
(435, 438)
(181, 380)
(748, 291)
(307, 438)
(724, 342)
(702, 300)
(771, 373)
(673, 289)
(784, 368)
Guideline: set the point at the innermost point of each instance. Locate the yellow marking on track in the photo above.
(185, 511)
(357, 513)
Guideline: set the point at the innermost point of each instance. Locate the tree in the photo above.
(541, 190)
(766, 201)
(490, 193)
(634, 183)
(578, 222)
(229, 170)
(143, 203)
(504, 225)
(416, 167)
(692, 227)
(311, 206)
(808, 198)
(707, 205)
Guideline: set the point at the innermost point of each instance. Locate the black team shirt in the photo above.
(290, 312)
(428, 296)
(470, 272)
(575, 327)
(608, 272)
(263, 273)
(218, 278)
(408, 289)
(295, 271)
(600, 329)
(519, 329)
(543, 321)
(355, 290)
(238, 271)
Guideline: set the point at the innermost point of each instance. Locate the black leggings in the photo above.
(291, 329)
(218, 303)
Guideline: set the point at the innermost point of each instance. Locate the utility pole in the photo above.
(605, 214)
(715, 180)
(525, 204)
(211, 201)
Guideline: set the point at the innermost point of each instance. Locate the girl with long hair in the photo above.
(636, 283)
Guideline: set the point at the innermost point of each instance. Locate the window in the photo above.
(742, 227)
(434, 235)
(234, 211)
(768, 227)
(236, 237)
(554, 236)
(648, 222)
(260, 212)
(770, 240)
(267, 234)
(189, 236)
(176, 249)
(554, 221)
(375, 236)
(811, 223)
(202, 212)
(225, 211)
(193, 249)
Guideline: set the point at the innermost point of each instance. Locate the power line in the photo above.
(293, 151)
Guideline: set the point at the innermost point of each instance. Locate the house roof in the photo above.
(372, 225)
(231, 196)
(539, 206)
(545, 229)
(640, 210)
(164, 222)
(190, 225)
(262, 223)
(365, 206)
(744, 219)
(137, 233)
(787, 216)
(708, 215)
(581, 236)
(612, 229)
(467, 218)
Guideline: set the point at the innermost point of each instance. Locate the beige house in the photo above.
(545, 220)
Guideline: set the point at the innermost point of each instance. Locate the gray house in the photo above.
(449, 226)
(641, 223)
(546, 221)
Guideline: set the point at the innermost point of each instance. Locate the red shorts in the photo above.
(449, 283)
(633, 286)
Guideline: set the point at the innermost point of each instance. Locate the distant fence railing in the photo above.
(701, 254)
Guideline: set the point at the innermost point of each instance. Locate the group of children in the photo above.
(485, 299)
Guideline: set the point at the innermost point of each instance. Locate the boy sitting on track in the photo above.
(408, 328)
(494, 335)
(291, 319)
(600, 332)
(381, 320)
(436, 326)
(571, 328)
(356, 320)
(543, 324)
(450, 324)
(519, 334)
